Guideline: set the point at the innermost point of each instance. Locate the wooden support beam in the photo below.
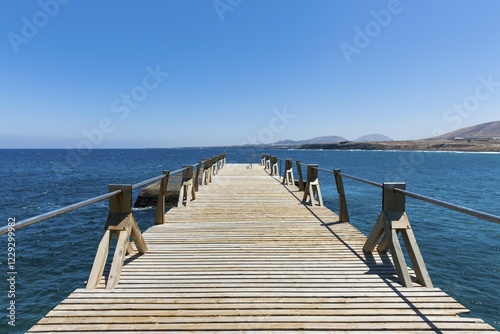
(207, 172)
(120, 252)
(343, 213)
(375, 235)
(222, 160)
(288, 178)
(122, 224)
(214, 166)
(196, 179)
(187, 193)
(100, 260)
(416, 258)
(301, 178)
(160, 205)
(274, 166)
(312, 192)
(391, 221)
(217, 164)
(398, 256)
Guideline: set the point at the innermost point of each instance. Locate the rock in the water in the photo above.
(148, 196)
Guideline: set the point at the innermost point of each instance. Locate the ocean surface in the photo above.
(54, 257)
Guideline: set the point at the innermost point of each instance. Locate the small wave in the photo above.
(475, 152)
(101, 204)
(147, 208)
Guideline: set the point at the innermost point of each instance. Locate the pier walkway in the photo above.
(247, 256)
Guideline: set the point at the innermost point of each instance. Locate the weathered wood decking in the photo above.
(246, 255)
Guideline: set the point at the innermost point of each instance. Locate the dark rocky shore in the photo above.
(413, 145)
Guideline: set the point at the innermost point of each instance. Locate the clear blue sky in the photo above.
(76, 71)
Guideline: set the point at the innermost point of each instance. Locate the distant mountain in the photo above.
(373, 137)
(484, 130)
(325, 140)
(316, 140)
(288, 142)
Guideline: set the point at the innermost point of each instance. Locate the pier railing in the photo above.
(121, 222)
(392, 220)
(122, 225)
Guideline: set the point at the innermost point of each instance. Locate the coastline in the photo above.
(412, 145)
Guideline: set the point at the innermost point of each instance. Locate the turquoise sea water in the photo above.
(54, 257)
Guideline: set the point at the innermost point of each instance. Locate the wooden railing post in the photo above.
(343, 213)
(160, 206)
(122, 224)
(391, 221)
(207, 172)
(196, 181)
(187, 193)
(214, 166)
(288, 173)
(274, 166)
(301, 178)
(312, 190)
(268, 162)
(217, 164)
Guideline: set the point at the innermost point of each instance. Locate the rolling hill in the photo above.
(373, 138)
(315, 140)
(484, 130)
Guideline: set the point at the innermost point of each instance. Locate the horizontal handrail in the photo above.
(202, 162)
(325, 170)
(177, 171)
(372, 183)
(156, 178)
(451, 206)
(54, 213)
(148, 181)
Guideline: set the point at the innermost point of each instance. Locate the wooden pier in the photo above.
(247, 255)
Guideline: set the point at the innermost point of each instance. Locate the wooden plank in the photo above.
(303, 319)
(369, 306)
(257, 324)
